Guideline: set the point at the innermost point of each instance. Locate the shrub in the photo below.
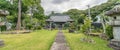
(109, 32)
(39, 28)
(3, 28)
(86, 26)
(71, 28)
(29, 26)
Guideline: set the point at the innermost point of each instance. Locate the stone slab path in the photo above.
(60, 42)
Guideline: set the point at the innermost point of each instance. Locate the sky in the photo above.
(59, 6)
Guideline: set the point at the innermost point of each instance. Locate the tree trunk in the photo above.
(31, 17)
(19, 16)
(104, 30)
(103, 24)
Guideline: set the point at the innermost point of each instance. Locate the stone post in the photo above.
(115, 23)
(3, 13)
(50, 26)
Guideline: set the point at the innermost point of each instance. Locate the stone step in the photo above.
(114, 47)
(1, 43)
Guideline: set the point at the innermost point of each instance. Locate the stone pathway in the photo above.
(60, 42)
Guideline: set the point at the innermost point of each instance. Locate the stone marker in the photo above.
(1, 42)
(3, 13)
(115, 23)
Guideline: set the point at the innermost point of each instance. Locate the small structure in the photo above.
(97, 23)
(58, 20)
(115, 22)
(3, 13)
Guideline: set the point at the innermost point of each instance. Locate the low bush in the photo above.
(109, 32)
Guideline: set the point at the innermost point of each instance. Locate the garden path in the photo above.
(60, 42)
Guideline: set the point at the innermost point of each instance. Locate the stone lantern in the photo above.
(115, 23)
(3, 13)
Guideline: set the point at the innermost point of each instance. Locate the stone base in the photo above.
(115, 44)
(1, 42)
(16, 32)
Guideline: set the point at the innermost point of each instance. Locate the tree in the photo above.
(96, 10)
(78, 16)
(86, 26)
(18, 27)
(104, 20)
(86, 29)
(71, 27)
(36, 11)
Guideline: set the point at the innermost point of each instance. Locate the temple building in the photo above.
(58, 21)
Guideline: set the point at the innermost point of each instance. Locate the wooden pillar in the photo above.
(0, 30)
(62, 26)
(0, 26)
(5, 19)
(50, 27)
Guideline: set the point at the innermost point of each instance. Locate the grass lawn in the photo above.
(75, 43)
(38, 40)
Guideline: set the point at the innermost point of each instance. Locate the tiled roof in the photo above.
(114, 11)
(59, 18)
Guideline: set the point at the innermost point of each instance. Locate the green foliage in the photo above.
(109, 31)
(38, 13)
(4, 4)
(26, 22)
(86, 26)
(71, 26)
(31, 25)
(96, 10)
(38, 17)
(103, 7)
(118, 1)
(79, 15)
(31, 2)
(3, 28)
(76, 15)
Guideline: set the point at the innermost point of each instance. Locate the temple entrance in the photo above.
(60, 25)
